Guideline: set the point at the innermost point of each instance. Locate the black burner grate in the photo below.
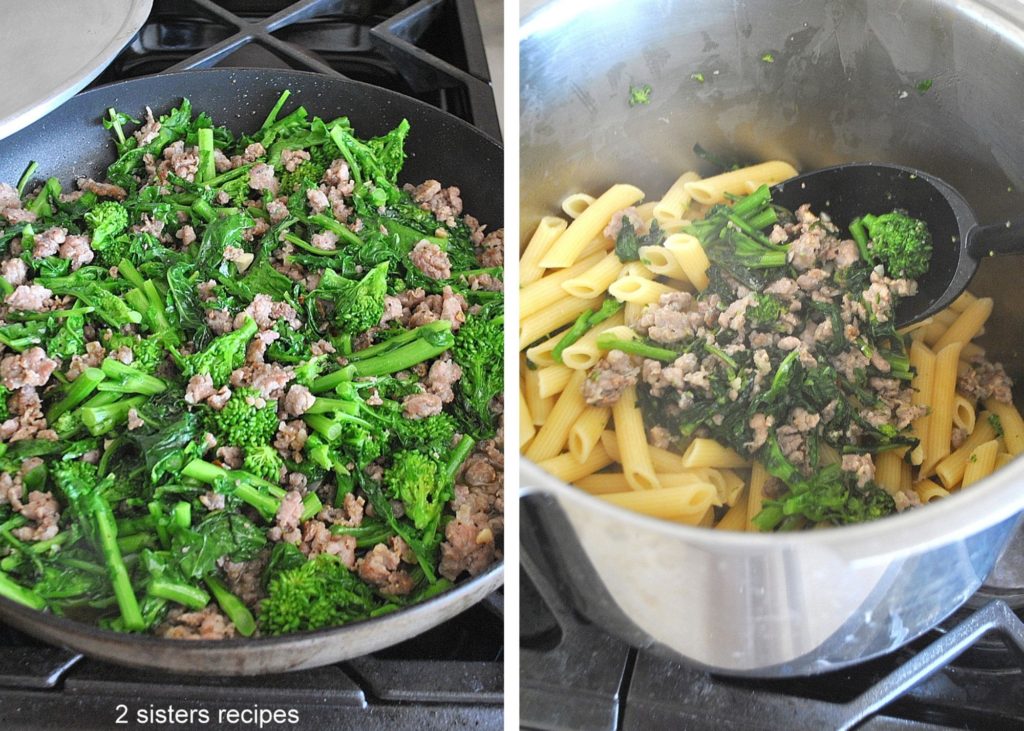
(574, 676)
(431, 50)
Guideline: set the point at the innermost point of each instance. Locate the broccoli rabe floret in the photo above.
(4, 395)
(478, 349)
(766, 311)
(640, 94)
(319, 593)
(223, 355)
(902, 244)
(247, 419)
(358, 305)
(432, 435)
(263, 461)
(106, 222)
(306, 175)
(417, 481)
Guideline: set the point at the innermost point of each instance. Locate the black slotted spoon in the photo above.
(959, 242)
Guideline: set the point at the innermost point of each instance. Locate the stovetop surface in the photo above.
(452, 675)
(966, 674)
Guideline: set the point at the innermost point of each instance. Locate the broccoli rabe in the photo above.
(478, 349)
(358, 305)
(902, 244)
(263, 461)
(223, 355)
(319, 593)
(106, 222)
(414, 479)
(247, 419)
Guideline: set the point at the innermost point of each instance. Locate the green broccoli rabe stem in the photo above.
(26, 176)
(764, 219)
(202, 209)
(338, 136)
(333, 380)
(752, 203)
(331, 428)
(207, 168)
(130, 526)
(127, 270)
(749, 230)
(243, 485)
(860, 237)
(609, 341)
(275, 110)
(123, 378)
(365, 535)
(404, 357)
(336, 227)
(308, 247)
(14, 591)
(77, 391)
(9, 563)
(156, 511)
(134, 543)
(325, 405)
(185, 594)
(181, 515)
(311, 505)
(232, 606)
(106, 531)
(458, 456)
(101, 419)
(436, 328)
(6, 288)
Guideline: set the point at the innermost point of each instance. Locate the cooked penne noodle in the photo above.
(584, 353)
(549, 229)
(736, 517)
(963, 413)
(669, 502)
(539, 406)
(940, 426)
(586, 432)
(604, 483)
(922, 360)
(661, 261)
(889, 472)
(755, 497)
(541, 294)
(710, 191)
(950, 470)
(691, 257)
(645, 211)
(632, 441)
(551, 381)
(981, 462)
(595, 280)
(1011, 422)
(526, 426)
(541, 355)
(968, 324)
(566, 468)
(1003, 459)
(664, 460)
(927, 491)
(638, 290)
(709, 453)
(591, 222)
(554, 433)
(555, 317)
(632, 312)
(676, 199)
(961, 303)
(576, 203)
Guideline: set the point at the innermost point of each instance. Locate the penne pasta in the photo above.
(927, 491)
(549, 229)
(709, 453)
(586, 432)
(950, 470)
(1010, 422)
(566, 468)
(541, 355)
(526, 426)
(576, 203)
(550, 441)
(584, 353)
(922, 360)
(661, 261)
(940, 426)
(968, 324)
(591, 222)
(710, 191)
(603, 483)
(736, 517)
(555, 317)
(538, 296)
(669, 502)
(981, 462)
(594, 281)
(632, 442)
(963, 413)
(676, 199)
(638, 290)
(691, 257)
(552, 380)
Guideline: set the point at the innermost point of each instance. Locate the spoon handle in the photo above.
(996, 239)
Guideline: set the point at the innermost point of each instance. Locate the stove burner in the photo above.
(431, 50)
(969, 673)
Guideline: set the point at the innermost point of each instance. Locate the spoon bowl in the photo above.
(958, 242)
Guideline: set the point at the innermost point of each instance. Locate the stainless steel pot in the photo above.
(844, 86)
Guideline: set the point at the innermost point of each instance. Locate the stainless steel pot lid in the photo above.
(50, 49)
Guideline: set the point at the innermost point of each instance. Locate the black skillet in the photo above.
(70, 142)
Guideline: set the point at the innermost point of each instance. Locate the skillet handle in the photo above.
(996, 239)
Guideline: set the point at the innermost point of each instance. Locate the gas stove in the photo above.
(967, 673)
(449, 677)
